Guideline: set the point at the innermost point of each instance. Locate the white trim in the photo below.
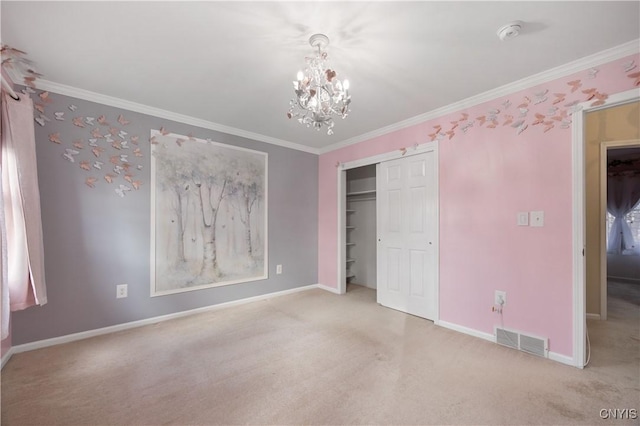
(599, 58)
(466, 330)
(342, 231)
(162, 113)
(436, 149)
(578, 208)
(596, 317)
(626, 49)
(342, 189)
(562, 359)
(390, 155)
(578, 211)
(602, 220)
(134, 324)
(6, 357)
(329, 289)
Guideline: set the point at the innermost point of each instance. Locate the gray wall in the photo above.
(94, 239)
(626, 267)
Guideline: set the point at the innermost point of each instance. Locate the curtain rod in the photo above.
(7, 87)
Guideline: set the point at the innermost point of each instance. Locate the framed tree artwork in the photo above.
(208, 214)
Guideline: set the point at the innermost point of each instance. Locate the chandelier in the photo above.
(319, 94)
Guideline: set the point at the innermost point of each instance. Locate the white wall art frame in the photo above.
(208, 214)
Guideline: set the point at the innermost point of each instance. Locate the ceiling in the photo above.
(232, 63)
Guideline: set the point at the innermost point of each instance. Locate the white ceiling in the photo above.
(232, 63)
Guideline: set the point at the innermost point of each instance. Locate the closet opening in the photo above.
(360, 228)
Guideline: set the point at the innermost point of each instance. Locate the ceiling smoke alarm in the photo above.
(510, 30)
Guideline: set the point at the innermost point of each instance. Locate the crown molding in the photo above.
(162, 113)
(603, 57)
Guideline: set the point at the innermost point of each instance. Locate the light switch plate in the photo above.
(523, 219)
(537, 218)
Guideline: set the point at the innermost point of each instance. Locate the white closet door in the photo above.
(407, 230)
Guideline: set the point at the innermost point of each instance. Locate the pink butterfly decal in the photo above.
(575, 85)
(91, 182)
(55, 138)
(78, 121)
(123, 121)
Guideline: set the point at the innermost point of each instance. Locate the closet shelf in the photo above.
(351, 244)
(370, 191)
(350, 260)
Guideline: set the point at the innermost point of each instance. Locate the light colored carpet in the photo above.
(317, 358)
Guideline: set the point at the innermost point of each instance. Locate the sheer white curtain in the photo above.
(22, 261)
(623, 193)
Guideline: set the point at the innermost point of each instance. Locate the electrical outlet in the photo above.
(278, 269)
(500, 298)
(121, 291)
(537, 218)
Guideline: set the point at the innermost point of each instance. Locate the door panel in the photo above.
(407, 229)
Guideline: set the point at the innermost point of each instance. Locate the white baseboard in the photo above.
(327, 288)
(466, 330)
(6, 357)
(134, 324)
(593, 316)
(563, 359)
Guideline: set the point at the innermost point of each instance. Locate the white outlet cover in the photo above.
(536, 218)
(500, 295)
(121, 291)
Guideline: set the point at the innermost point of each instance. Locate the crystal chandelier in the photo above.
(319, 94)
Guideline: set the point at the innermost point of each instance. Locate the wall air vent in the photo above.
(530, 344)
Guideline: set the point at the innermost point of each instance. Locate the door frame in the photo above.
(342, 202)
(604, 149)
(578, 207)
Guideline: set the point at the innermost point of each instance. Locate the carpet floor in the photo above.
(317, 358)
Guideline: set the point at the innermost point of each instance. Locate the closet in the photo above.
(361, 231)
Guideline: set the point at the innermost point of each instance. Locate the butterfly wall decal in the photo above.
(55, 138)
(69, 154)
(123, 121)
(122, 189)
(91, 182)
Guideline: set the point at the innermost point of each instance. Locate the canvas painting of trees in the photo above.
(209, 214)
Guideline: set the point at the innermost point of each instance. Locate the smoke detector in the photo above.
(510, 30)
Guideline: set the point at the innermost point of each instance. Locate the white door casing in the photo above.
(407, 235)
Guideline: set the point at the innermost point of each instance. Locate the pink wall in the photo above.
(487, 175)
